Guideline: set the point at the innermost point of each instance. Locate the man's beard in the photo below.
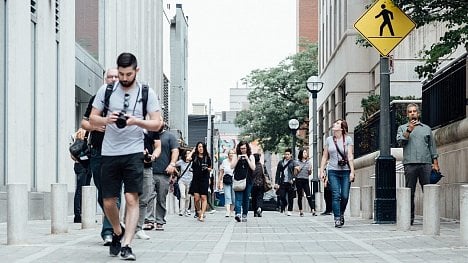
(127, 84)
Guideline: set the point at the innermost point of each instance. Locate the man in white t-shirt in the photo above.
(123, 147)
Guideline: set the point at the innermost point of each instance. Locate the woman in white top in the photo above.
(185, 179)
(338, 151)
(225, 182)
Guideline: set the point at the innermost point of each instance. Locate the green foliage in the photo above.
(451, 13)
(371, 105)
(279, 95)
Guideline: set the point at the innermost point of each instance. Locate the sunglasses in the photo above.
(126, 101)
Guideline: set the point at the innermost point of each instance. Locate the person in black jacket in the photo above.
(284, 181)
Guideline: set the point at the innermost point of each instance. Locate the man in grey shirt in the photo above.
(123, 147)
(419, 151)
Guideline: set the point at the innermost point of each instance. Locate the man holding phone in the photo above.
(419, 151)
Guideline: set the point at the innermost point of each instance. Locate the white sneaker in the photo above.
(289, 213)
(228, 213)
(140, 234)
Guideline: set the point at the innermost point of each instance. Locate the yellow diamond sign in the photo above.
(384, 25)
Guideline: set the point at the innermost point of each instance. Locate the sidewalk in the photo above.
(271, 238)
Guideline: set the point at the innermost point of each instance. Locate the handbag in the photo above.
(435, 176)
(268, 185)
(227, 179)
(79, 150)
(239, 185)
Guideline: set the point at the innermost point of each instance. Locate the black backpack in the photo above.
(110, 89)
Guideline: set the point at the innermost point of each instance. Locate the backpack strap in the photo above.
(109, 90)
(144, 97)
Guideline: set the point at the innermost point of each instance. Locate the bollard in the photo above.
(318, 201)
(366, 196)
(355, 201)
(431, 213)
(464, 214)
(17, 213)
(59, 209)
(403, 208)
(88, 207)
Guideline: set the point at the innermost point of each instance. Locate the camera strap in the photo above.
(343, 155)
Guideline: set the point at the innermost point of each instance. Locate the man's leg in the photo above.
(410, 182)
(148, 186)
(112, 213)
(81, 174)
(131, 218)
(162, 188)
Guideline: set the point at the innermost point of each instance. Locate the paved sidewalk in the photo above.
(271, 238)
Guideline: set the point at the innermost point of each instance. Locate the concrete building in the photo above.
(351, 72)
(238, 98)
(178, 106)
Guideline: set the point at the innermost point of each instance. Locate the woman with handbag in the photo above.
(184, 181)
(243, 164)
(338, 151)
(225, 182)
(201, 168)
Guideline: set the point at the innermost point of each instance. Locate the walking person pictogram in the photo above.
(387, 17)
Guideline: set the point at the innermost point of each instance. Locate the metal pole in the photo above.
(293, 134)
(314, 138)
(385, 179)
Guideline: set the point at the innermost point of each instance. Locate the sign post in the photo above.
(384, 25)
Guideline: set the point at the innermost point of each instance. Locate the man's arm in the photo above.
(402, 135)
(153, 123)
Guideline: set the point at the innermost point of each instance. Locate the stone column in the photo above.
(355, 202)
(17, 213)
(367, 202)
(59, 209)
(403, 208)
(318, 202)
(464, 214)
(88, 207)
(431, 213)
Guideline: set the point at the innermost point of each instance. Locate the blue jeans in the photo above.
(340, 184)
(95, 164)
(229, 194)
(242, 200)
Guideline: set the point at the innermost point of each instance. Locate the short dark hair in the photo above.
(125, 60)
(288, 150)
(300, 155)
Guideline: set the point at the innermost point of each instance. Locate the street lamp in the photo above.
(314, 86)
(293, 126)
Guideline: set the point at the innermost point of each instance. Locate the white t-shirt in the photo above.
(226, 167)
(334, 156)
(128, 140)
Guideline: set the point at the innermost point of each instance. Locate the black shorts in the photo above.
(126, 169)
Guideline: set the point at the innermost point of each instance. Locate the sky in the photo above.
(227, 39)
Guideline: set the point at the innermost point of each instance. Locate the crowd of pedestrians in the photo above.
(134, 156)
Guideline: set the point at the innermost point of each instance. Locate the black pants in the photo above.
(83, 178)
(327, 195)
(257, 197)
(413, 173)
(303, 187)
(287, 189)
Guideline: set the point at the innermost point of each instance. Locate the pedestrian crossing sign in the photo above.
(384, 25)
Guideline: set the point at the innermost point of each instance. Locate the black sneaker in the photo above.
(115, 246)
(238, 218)
(338, 223)
(127, 254)
(342, 220)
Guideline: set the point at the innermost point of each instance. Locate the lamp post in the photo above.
(293, 126)
(314, 86)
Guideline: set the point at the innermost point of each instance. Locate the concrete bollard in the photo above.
(17, 213)
(367, 202)
(431, 212)
(464, 214)
(355, 201)
(88, 207)
(318, 201)
(403, 208)
(59, 209)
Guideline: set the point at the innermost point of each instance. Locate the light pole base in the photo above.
(385, 190)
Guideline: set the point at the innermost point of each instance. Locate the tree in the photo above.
(451, 13)
(279, 94)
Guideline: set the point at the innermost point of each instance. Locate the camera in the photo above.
(147, 158)
(121, 121)
(342, 162)
(204, 167)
